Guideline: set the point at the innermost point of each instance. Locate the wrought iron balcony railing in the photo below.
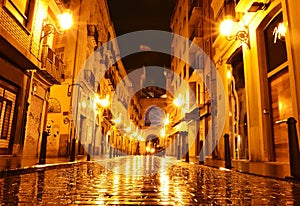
(52, 66)
(89, 77)
(195, 10)
(197, 32)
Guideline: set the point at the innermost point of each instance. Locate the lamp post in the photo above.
(101, 103)
(65, 23)
(72, 129)
(166, 122)
(183, 129)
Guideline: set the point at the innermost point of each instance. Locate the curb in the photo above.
(232, 169)
(37, 168)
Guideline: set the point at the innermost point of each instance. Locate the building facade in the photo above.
(257, 63)
(28, 69)
(261, 80)
(92, 88)
(191, 20)
(56, 81)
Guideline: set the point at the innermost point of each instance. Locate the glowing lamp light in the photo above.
(135, 134)
(229, 29)
(117, 121)
(128, 129)
(83, 104)
(140, 137)
(148, 149)
(103, 102)
(228, 74)
(163, 132)
(178, 102)
(166, 120)
(226, 27)
(65, 23)
(65, 20)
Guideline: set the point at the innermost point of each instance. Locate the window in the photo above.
(7, 104)
(275, 52)
(199, 62)
(238, 105)
(20, 9)
(6, 119)
(184, 72)
(278, 89)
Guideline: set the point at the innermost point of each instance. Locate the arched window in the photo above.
(54, 106)
(153, 116)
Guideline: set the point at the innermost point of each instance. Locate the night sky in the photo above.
(134, 15)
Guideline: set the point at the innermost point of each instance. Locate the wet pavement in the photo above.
(8, 162)
(166, 182)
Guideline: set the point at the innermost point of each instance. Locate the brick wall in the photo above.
(18, 32)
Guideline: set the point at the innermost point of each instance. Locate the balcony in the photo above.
(89, 77)
(242, 5)
(52, 66)
(196, 32)
(107, 114)
(195, 11)
(217, 5)
(93, 34)
(109, 77)
(196, 36)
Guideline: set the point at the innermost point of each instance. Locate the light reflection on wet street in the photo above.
(179, 184)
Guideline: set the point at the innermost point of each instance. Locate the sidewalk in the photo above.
(277, 170)
(12, 165)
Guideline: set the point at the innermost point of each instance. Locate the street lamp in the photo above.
(182, 127)
(178, 102)
(166, 120)
(65, 23)
(103, 102)
(65, 20)
(229, 29)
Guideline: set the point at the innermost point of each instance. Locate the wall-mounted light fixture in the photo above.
(179, 101)
(70, 87)
(103, 102)
(280, 32)
(229, 74)
(259, 6)
(230, 30)
(34, 88)
(65, 21)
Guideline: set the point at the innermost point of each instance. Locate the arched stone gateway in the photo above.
(153, 116)
(153, 145)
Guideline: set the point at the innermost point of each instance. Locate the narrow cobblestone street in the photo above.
(177, 184)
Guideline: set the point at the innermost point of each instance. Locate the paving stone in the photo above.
(180, 184)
